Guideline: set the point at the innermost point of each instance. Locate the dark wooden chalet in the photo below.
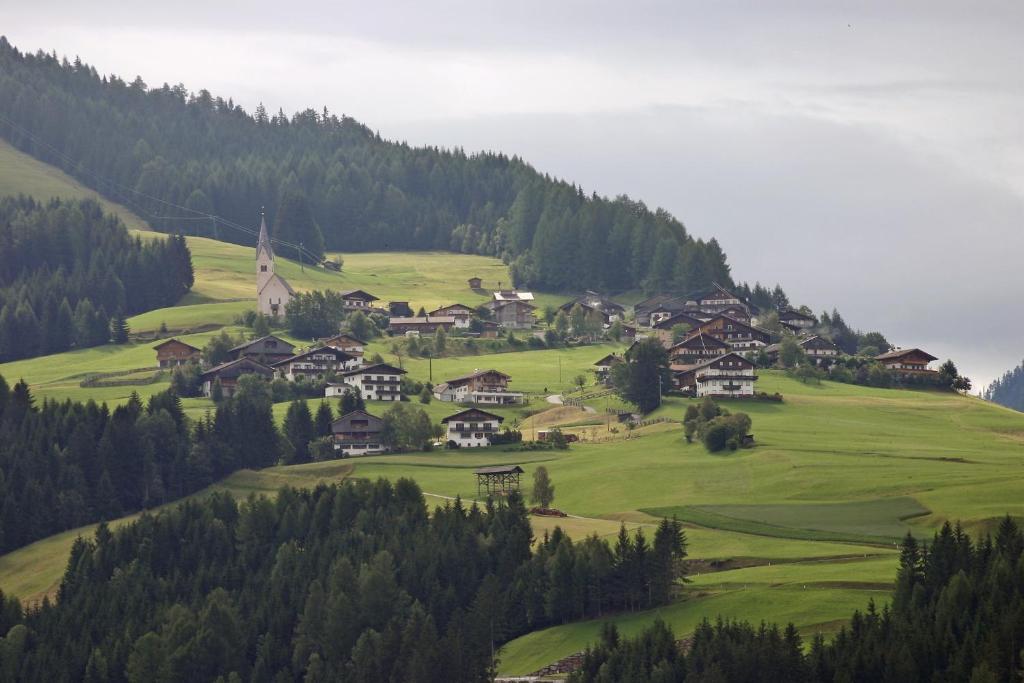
(736, 333)
(795, 319)
(358, 433)
(228, 374)
(173, 352)
(475, 283)
(679, 319)
(266, 350)
(907, 361)
(696, 348)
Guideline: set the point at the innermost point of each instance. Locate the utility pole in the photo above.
(302, 266)
(559, 370)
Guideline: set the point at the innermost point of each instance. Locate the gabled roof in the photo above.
(382, 368)
(277, 278)
(499, 469)
(310, 352)
(700, 340)
(478, 373)
(473, 414)
(238, 367)
(456, 306)
(358, 294)
(900, 353)
(174, 341)
(818, 340)
(710, 361)
(286, 346)
(345, 335)
(791, 314)
(356, 414)
(263, 241)
(609, 359)
(736, 321)
(515, 302)
(676, 319)
(715, 290)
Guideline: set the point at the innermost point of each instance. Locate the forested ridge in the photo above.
(67, 270)
(350, 582)
(63, 465)
(1008, 390)
(957, 615)
(166, 144)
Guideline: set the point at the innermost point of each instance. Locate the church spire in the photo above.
(263, 243)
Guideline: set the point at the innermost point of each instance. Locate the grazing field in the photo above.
(801, 528)
(21, 174)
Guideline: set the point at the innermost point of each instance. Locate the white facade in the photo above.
(272, 291)
(376, 382)
(729, 375)
(472, 434)
(338, 389)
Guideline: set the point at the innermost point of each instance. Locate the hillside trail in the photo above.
(556, 399)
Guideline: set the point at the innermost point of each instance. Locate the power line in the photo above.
(118, 188)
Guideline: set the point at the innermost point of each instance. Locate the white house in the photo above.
(272, 291)
(472, 428)
(380, 382)
(729, 375)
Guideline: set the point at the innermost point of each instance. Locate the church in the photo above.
(272, 291)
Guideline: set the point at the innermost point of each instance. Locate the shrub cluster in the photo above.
(715, 426)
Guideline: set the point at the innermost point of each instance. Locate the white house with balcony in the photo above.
(380, 382)
(472, 428)
(730, 375)
(481, 386)
(317, 364)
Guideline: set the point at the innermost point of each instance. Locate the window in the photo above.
(263, 268)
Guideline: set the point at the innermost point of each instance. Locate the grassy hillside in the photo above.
(21, 174)
(803, 527)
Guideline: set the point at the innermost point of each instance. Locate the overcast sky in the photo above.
(869, 157)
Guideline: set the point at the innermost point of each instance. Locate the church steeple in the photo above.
(264, 256)
(263, 242)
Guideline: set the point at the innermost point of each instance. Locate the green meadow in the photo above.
(803, 527)
(21, 174)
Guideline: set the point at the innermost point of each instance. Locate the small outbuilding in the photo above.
(500, 480)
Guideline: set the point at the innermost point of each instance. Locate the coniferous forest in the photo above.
(956, 615)
(1008, 390)
(67, 270)
(159, 148)
(351, 582)
(63, 465)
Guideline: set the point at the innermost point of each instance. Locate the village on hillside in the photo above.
(713, 344)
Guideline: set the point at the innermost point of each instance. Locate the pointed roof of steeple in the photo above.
(264, 239)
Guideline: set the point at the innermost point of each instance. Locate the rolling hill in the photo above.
(803, 527)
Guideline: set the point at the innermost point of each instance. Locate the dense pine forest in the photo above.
(957, 615)
(70, 274)
(159, 148)
(352, 582)
(63, 465)
(1008, 390)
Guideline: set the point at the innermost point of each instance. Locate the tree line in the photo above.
(350, 582)
(70, 274)
(335, 183)
(956, 615)
(67, 464)
(1008, 390)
